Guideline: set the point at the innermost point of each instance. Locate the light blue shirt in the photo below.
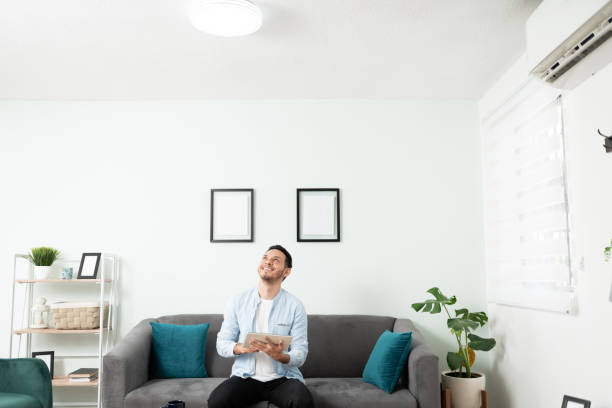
(287, 317)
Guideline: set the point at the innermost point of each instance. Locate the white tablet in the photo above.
(262, 337)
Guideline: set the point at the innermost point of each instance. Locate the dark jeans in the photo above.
(237, 392)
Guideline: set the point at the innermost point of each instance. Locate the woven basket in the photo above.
(78, 315)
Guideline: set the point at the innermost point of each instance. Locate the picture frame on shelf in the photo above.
(318, 214)
(90, 263)
(573, 402)
(231, 214)
(48, 357)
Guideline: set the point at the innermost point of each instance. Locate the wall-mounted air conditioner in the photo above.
(567, 40)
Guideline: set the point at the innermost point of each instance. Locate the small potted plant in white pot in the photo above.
(43, 258)
(465, 385)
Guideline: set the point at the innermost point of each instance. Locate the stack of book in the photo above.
(83, 375)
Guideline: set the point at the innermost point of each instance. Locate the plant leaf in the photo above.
(418, 306)
(480, 317)
(437, 294)
(43, 256)
(433, 305)
(454, 360)
(479, 343)
(461, 324)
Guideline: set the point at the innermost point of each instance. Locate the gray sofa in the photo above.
(339, 347)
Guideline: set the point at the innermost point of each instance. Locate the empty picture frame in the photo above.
(318, 215)
(231, 215)
(48, 357)
(573, 402)
(90, 262)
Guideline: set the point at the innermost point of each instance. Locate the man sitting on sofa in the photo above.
(263, 372)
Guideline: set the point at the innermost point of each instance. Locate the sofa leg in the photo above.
(446, 398)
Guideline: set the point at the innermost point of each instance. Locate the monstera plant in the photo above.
(461, 326)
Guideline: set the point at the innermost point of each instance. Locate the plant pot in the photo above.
(465, 392)
(41, 272)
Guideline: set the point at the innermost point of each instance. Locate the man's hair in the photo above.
(288, 260)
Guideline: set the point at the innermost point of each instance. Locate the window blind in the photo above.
(528, 256)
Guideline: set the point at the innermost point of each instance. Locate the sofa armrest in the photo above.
(126, 366)
(423, 369)
(29, 376)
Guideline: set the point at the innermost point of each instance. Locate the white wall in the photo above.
(541, 356)
(133, 178)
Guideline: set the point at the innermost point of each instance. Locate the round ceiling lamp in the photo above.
(226, 18)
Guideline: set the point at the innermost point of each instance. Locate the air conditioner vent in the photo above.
(577, 52)
(566, 40)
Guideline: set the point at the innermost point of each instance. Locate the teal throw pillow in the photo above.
(387, 360)
(179, 350)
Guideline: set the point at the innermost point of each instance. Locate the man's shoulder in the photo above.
(291, 298)
(242, 296)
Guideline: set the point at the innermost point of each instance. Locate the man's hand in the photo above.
(273, 350)
(240, 349)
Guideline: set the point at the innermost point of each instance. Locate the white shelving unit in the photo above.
(108, 273)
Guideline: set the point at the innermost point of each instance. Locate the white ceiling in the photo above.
(147, 49)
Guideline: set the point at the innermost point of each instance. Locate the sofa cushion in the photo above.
(387, 360)
(216, 366)
(194, 391)
(12, 400)
(326, 393)
(354, 393)
(179, 350)
(328, 336)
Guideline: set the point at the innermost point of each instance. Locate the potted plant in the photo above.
(465, 385)
(43, 258)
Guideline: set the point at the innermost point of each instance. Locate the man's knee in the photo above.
(215, 400)
(231, 393)
(300, 397)
(303, 400)
(221, 396)
(298, 401)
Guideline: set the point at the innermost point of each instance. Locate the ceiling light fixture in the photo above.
(226, 18)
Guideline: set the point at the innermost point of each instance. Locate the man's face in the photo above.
(272, 266)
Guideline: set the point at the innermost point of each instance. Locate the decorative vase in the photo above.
(66, 273)
(42, 272)
(465, 392)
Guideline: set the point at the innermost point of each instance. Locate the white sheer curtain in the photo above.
(528, 257)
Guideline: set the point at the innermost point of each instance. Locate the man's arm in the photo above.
(299, 344)
(228, 334)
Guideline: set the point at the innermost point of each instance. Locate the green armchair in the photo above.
(25, 383)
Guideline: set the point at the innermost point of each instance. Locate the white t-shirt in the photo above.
(264, 364)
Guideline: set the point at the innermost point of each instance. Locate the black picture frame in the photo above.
(51, 363)
(251, 222)
(84, 274)
(301, 237)
(568, 398)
